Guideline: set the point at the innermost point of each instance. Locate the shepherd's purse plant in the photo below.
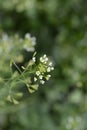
(17, 72)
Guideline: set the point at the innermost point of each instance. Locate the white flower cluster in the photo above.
(44, 60)
(34, 59)
(43, 69)
(30, 42)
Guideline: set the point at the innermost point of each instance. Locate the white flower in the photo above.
(41, 59)
(35, 79)
(52, 68)
(46, 59)
(27, 35)
(48, 69)
(45, 62)
(42, 81)
(41, 76)
(50, 64)
(34, 59)
(44, 55)
(48, 77)
(37, 73)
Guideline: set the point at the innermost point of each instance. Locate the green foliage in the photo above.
(61, 31)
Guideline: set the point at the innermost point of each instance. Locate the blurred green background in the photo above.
(60, 27)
